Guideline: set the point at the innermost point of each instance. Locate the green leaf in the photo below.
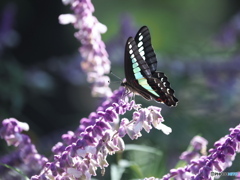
(15, 169)
(143, 148)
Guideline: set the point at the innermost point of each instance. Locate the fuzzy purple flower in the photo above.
(8, 37)
(85, 150)
(218, 160)
(95, 57)
(25, 157)
(198, 146)
(230, 33)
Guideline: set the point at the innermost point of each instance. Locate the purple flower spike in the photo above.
(25, 155)
(230, 33)
(86, 149)
(8, 37)
(109, 115)
(11, 129)
(218, 160)
(199, 146)
(103, 125)
(95, 57)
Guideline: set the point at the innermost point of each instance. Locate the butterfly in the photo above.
(140, 66)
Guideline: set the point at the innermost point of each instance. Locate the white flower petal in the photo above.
(66, 2)
(165, 129)
(74, 172)
(81, 152)
(67, 19)
(23, 125)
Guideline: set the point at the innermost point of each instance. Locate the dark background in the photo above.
(196, 42)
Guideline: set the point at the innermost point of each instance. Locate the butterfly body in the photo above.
(140, 70)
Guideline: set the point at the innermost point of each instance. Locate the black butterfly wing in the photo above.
(135, 68)
(143, 41)
(161, 86)
(133, 61)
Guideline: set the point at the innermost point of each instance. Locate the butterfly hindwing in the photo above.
(161, 86)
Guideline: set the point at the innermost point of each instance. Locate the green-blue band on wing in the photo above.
(141, 80)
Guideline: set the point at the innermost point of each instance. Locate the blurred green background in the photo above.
(197, 45)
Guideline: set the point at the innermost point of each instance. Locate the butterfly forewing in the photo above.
(143, 41)
(135, 66)
(136, 71)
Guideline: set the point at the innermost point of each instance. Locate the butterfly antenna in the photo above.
(115, 75)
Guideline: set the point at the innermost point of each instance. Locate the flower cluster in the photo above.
(198, 147)
(95, 57)
(98, 136)
(230, 33)
(218, 160)
(26, 158)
